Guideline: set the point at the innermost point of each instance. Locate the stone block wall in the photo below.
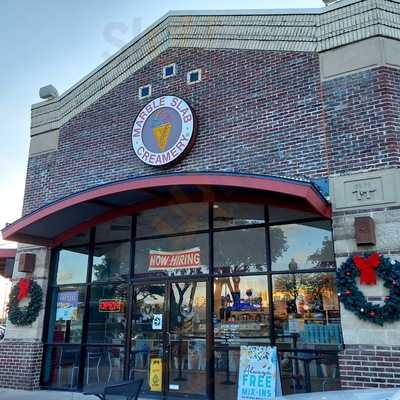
(372, 353)
(21, 350)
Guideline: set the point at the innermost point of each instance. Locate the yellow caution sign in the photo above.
(155, 379)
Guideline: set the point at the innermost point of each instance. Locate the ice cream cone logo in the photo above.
(161, 134)
(163, 131)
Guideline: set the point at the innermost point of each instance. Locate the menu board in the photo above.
(259, 375)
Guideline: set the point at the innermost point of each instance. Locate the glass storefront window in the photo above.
(241, 308)
(117, 229)
(82, 238)
(72, 265)
(237, 214)
(240, 251)
(279, 215)
(111, 262)
(306, 310)
(107, 314)
(177, 218)
(61, 367)
(104, 365)
(67, 314)
(172, 256)
(302, 246)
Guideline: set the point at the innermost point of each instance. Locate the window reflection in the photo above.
(302, 246)
(176, 218)
(306, 305)
(117, 229)
(236, 214)
(111, 262)
(241, 307)
(240, 251)
(72, 265)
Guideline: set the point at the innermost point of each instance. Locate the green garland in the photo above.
(354, 300)
(26, 315)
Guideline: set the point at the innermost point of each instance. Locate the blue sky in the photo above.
(58, 42)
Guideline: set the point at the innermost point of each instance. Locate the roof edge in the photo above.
(193, 13)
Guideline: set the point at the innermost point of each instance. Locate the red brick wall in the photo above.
(258, 112)
(248, 103)
(20, 364)
(363, 366)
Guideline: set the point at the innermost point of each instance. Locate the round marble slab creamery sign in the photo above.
(164, 131)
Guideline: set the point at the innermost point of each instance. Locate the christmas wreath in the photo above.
(367, 269)
(22, 316)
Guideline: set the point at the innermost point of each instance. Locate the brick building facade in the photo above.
(313, 95)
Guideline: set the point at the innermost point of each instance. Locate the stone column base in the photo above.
(20, 364)
(368, 366)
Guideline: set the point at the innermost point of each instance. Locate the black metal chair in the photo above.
(128, 390)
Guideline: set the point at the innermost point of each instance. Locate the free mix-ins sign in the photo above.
(164, 131)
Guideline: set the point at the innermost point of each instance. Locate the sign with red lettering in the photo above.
(164, 131)
(184, 259)
(111, 305)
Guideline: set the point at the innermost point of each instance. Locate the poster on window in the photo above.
(259, 376)
(67, 306)
(167, 260)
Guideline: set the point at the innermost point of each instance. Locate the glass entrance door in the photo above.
(187, 363)
(168, 341)
(148, 340)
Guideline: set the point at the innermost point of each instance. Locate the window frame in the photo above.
(138, 280)
(140, 94)
(174, 71)
(194, 71)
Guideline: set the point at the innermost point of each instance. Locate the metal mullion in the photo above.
(66, 285)
(85, 321)
(299, 221)
(239, 227)
(112, 242)
(100, 344)
(131, 289)
(50, 289)
(157, 279)
(210, 355)
(74, 246)
(269, 277)
(170, 235)
(166, 336)
(305, 271)
(128, 334)
(233, 274)
(132, 249)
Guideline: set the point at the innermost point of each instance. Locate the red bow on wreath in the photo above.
(367, 267)
(23, 288)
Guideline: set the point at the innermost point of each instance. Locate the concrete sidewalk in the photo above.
(9, 394)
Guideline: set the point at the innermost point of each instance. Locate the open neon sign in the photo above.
(111, 305)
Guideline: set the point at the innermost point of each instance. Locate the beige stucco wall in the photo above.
(374, 194)
(40, 275)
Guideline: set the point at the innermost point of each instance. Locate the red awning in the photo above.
(64, 218)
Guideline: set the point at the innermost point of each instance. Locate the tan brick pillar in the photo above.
(22, 348)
